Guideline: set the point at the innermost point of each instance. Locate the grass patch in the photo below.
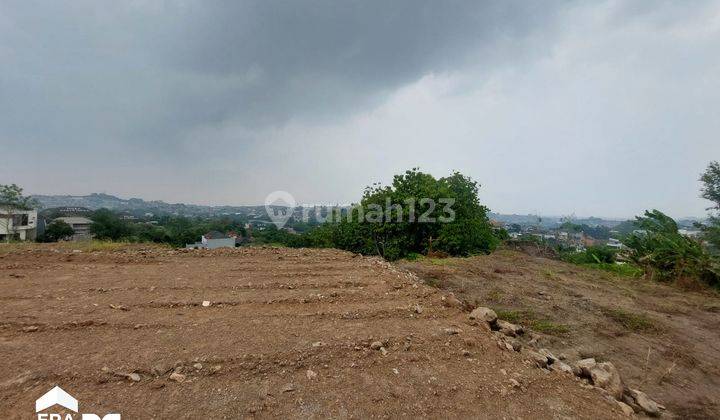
(631, 321)
(528, 318)
(523, 316)
(626, 270)
(495, 295)
(549, 327)
(84, 246)
(440, 261)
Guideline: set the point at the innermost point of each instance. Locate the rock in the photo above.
(418, 309)
(647, 405)
(628, 400)
(119, 307)
(509, 329)
(466, 353)
(451, 301)
(605, 376)
(134, 377)
(484, 314)
(197, 366)
(288, 388)
(551, 359)
(310, 374)
(384, 351)
(177, 377)
(516, 345)
(452, 331)
(31, 328)
(559, 366)
(206, 303)
(539, 359)
(582, 367)
(376, 345)
(514, 383)
(626, 409)
(160, 369)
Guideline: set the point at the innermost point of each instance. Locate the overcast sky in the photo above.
(599, 108)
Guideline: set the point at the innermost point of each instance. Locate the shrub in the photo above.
(666, 254)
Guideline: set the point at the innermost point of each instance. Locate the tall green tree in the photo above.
(711, 191)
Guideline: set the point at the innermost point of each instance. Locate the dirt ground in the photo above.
(664, 340)
(287, 333)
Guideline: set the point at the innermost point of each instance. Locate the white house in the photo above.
(19, 224)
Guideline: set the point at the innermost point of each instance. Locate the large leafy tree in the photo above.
(11, 200)
(711, 191)
(57, 231)
(416, 214)
(107, 225)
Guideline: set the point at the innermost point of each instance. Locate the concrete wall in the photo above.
(26, 232)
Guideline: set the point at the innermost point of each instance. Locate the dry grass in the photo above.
(632, 321)
(84, 246)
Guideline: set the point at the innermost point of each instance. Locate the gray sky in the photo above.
(599, 108)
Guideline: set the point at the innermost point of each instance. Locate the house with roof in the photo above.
(18, 224)
(214, 240)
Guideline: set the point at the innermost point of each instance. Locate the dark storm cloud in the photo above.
(606, 106)
(148, 71)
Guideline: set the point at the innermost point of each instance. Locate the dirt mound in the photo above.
(663, 340)
(257, 332)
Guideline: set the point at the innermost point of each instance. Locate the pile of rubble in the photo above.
(601, 375)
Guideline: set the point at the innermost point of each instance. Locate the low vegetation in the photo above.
(631, 321)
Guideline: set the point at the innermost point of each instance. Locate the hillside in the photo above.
(137, 205)
(663, 339)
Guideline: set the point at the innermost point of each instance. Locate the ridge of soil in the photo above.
(287, 333)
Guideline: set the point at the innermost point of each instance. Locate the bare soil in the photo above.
(288, 333)
(664, 340)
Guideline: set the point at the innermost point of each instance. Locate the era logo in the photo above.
(58, 396)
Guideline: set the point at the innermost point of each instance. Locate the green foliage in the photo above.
(711, 184)
(592, 255)
(597, 232)
(420, 227)
(12, 198)
(666, 254)
(108, 226)
(56, 231)
(711, 191)
(626, 269)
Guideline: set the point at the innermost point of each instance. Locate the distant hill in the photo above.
(138, 206)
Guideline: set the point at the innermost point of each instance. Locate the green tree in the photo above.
(12, 200)
(57, 231)
(416, 214)
(711, 191)
(665, 253)
(106, 225)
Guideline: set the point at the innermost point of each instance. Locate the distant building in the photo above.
(19, 224)
(213, 240)
(81, 226)
(614, 243)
